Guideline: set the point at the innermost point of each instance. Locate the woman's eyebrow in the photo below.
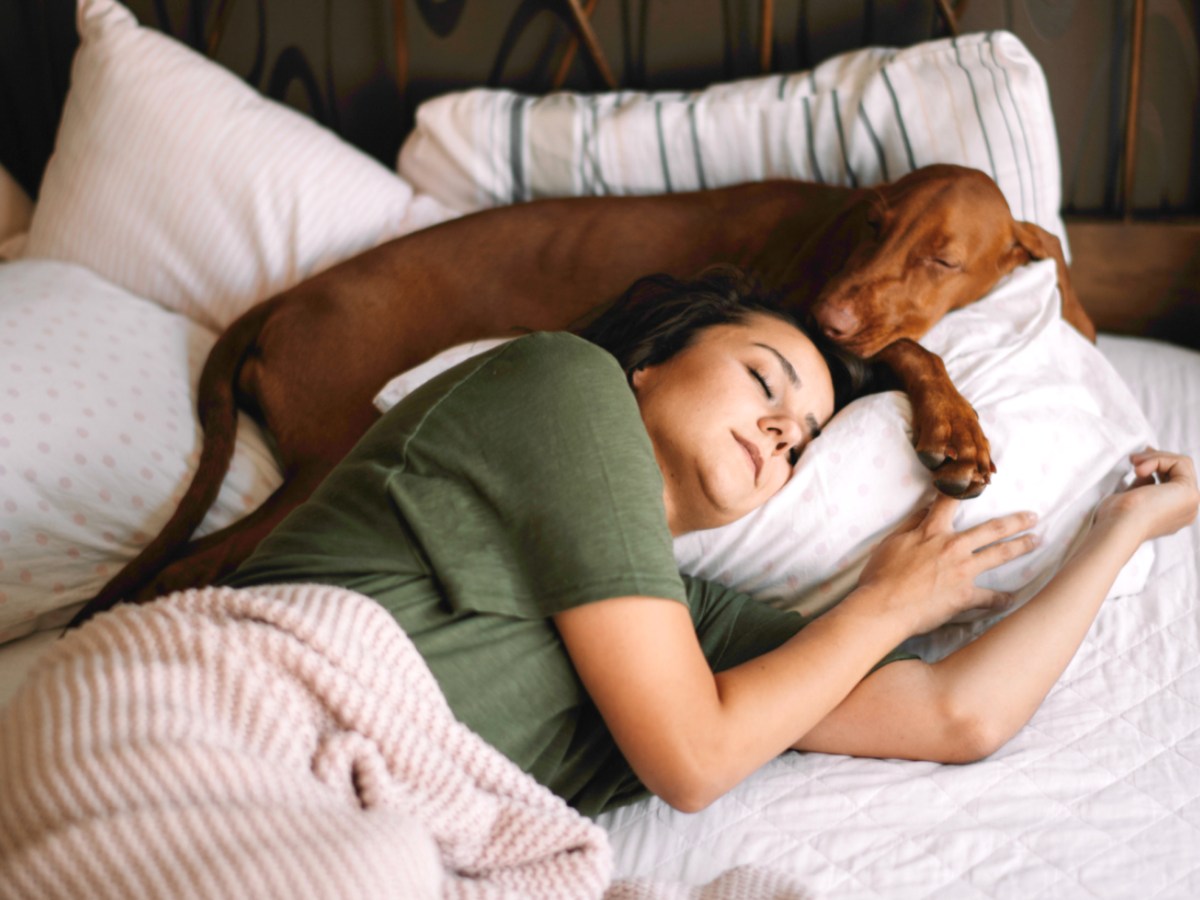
(788, 369)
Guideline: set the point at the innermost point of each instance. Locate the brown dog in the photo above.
(876, 267)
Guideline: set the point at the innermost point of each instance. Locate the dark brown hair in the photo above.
(659, 315)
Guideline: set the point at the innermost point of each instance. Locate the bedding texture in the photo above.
(98, 435)
(177, 181)
(299, 747)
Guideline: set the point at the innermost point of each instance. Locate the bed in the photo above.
(177, 196)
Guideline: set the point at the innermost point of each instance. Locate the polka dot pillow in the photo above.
(98, 437)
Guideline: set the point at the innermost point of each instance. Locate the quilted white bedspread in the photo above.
(1098, 797)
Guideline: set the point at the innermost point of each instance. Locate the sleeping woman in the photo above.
(516, 515)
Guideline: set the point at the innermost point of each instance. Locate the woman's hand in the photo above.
(926, 570)
(1163, 498)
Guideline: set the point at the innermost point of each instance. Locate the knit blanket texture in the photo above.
(285, 741)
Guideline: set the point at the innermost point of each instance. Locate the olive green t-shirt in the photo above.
(516, 485)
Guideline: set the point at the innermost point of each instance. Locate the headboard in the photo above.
(1124, 79)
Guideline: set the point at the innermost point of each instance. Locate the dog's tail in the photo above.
(216, 404)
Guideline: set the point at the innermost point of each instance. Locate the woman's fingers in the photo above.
(999, 528)
(926, 514)
(1000, 552)
(912, 520)
(1162, 499)
(1168, 466)
(941, 512)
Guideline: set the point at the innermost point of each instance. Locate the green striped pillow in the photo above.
(858, 119)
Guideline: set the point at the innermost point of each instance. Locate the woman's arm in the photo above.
(691, 735)
(972, 702)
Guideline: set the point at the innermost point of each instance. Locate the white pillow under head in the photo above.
(98, 436)
(176, 180)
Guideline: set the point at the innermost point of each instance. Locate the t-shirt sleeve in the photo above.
(734, 628)
(531, 484)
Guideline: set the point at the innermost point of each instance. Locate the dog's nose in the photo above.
(837, 321)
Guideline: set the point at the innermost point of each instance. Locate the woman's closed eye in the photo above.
(793, 456)
(762, 380)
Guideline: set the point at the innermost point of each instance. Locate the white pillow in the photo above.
(16, 209)
(858, 119)
(1061, 422)
(174, 179)
(98, 437)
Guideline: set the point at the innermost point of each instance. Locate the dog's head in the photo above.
(935, 240)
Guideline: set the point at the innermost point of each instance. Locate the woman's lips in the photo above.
(752, 452)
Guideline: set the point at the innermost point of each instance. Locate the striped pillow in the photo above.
(858, 119)
(174, 179)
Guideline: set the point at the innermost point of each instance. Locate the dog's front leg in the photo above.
(946, 431)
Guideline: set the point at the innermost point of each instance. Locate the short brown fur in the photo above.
(875, 267)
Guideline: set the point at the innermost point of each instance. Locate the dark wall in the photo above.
(1083, 46)
(334, 59)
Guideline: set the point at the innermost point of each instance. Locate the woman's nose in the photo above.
(784, 431)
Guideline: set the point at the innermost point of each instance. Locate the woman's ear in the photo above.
(637, 377)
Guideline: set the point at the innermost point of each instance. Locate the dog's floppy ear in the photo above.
(1031, 242)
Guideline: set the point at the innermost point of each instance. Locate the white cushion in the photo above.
(1061, 422)
(98, 436)
(174, 179)
(858, 119)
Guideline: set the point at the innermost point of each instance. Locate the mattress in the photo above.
(1098, 796)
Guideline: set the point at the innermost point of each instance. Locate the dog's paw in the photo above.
(961, 480)
(953, 446)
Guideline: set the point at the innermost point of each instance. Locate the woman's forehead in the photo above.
(763, 328)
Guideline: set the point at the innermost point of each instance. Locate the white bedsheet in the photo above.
(1098, 796)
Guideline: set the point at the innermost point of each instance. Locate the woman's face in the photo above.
(728, 416)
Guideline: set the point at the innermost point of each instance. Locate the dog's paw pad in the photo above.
(931, 459)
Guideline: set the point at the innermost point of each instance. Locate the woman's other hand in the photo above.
(1163, 498)
(926, 570)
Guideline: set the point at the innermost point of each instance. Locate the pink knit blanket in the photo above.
(277, 742)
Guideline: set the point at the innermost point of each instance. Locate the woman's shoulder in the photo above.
(514, 389)
(549, 364)
(559, 349)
